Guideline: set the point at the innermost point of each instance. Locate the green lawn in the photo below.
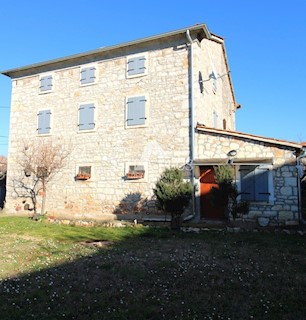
(51, 272)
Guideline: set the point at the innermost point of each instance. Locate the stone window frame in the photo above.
(88, 66)
(271, 198)
(44, 75)
(84, 165)
(94, 119)
(136, 55)
(51, 122)
(136, 163)
(147, 111)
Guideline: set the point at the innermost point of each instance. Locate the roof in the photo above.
(196, 28)
(285, 143)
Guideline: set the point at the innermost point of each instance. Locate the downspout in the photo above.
(298, 164)
(192, 124)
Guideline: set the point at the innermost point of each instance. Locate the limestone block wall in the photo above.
(110, 147)
(284, 205)
(215, 104)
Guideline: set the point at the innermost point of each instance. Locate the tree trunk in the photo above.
(43, 200)
(176, 221)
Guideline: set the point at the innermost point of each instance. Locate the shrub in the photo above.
(173, 194)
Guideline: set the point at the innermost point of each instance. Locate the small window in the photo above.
(136, 65)
(224, 124)
(215, 116)
(88, 75)
(43, 122)
(45, 84)
(136, 111)
(84, 173)
(86, 117)
(136, 172)
(255, 183)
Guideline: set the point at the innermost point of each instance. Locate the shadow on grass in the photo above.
(158, 274)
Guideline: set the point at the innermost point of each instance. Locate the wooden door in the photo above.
(207, 183)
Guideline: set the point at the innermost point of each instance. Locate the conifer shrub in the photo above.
(173, 194)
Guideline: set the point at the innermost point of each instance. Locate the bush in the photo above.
(226, 194)
(173, 193)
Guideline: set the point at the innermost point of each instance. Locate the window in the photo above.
(136, 172)
(88, 75)
(45, 83)
(44, 118)
(84, 173)
(215, 115)
(136, 111)
(256, 183)
(86, 117)
(136, 65)
(224, 124)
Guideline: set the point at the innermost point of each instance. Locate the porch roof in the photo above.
(202, 128)
(237, 161)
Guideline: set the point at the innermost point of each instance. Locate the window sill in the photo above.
(45, 92)
(88, 84)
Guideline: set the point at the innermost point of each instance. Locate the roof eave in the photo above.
(237, 134)
(10, 72)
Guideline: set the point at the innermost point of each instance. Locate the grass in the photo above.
(49, 272)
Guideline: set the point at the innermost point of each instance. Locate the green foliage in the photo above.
(226, 194)
(172, 192)
(224, 173)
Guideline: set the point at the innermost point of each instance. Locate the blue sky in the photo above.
(265, 42)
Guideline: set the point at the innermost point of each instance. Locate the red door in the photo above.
(207, 183)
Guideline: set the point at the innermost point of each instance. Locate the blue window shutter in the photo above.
(261, 184)
(131, 67)
(136, 111)
(44, 118)
(247, 183)
(46, 83)
(136, 65)
(49, 83)
(86, 117)
(88, 75)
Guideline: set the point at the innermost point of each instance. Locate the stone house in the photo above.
(127, 112)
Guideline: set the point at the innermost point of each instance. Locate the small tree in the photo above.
(39, 161)
(173, 194)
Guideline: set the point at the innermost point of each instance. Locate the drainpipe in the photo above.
(298, 163)
(192, 123)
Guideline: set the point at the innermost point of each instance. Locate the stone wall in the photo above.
(110, 147)
(284, 206)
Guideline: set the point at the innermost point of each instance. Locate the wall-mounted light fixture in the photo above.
(232, 153)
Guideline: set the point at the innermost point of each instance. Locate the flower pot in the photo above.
(135, 175)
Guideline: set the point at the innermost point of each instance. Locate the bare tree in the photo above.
(39, 161)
